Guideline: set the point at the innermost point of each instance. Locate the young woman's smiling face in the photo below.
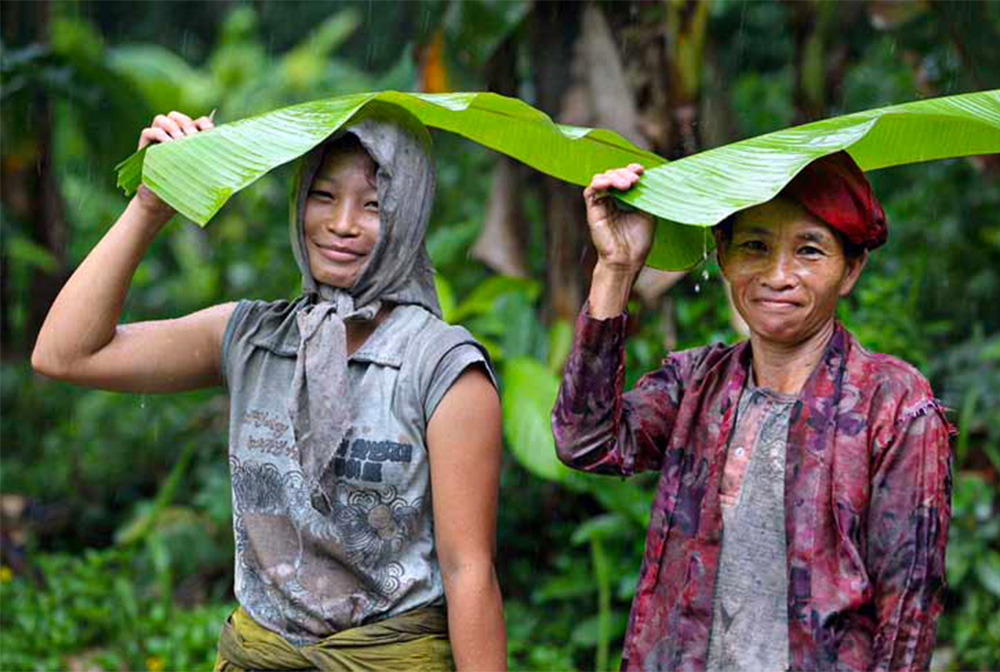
(341, 220)
(787, 270)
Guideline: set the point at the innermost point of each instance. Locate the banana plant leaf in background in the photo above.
(197, 175)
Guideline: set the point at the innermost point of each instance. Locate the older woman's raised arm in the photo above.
(596, 426)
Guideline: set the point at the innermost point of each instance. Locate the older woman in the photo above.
(802, 509)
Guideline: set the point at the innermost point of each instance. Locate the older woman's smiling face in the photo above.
(787, 270)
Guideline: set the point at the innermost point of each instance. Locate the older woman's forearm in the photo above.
(609, 291)
(475, 617)
(84, 316)
(592, 380)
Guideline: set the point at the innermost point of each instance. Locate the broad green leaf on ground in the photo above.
(197, 175)
(529, 393)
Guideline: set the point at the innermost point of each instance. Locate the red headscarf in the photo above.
(835, 190)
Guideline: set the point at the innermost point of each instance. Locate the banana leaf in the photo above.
(705, 188)
(197, 175)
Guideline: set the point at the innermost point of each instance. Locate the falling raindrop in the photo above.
(697, 288)
(704, 274)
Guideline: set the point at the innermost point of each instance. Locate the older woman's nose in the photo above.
(779, 273)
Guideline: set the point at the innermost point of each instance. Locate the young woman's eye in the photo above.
(319, 193)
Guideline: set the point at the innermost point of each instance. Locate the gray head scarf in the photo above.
(398, 270)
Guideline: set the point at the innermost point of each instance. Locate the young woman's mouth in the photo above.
(339, 253)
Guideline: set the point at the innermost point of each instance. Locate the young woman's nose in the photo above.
(342, 220)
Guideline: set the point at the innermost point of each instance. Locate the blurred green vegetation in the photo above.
(116, 535)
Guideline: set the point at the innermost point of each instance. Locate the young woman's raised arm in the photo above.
(81, 341)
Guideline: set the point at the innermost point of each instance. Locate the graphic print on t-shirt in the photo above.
(357, 459)
(360, 535)
(364, 459)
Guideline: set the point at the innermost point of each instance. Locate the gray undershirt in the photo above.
(749, 609)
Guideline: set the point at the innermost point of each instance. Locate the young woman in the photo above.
(802, 511)
(344, 409)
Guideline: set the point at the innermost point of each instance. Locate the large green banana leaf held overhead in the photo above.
(197, 175)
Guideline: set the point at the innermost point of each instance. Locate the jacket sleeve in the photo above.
(596, 427)
(908, 529)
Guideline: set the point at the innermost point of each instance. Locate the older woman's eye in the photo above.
(811, 250)
(372, 205)
(753, 246)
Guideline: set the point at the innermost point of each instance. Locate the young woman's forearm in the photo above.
(84, 316)
(475, 619)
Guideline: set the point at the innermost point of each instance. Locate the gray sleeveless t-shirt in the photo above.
(303, 573)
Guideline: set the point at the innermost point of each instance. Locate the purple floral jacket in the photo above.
(867, 496)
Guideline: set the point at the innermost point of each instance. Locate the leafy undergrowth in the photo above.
(89, 612)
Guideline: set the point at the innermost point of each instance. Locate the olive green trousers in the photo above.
(416, 640)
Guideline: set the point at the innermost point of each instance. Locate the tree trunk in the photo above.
(48, 228)
(502, 242)
(554, 30)
(31, 192)
(820, 63)
(686, 24)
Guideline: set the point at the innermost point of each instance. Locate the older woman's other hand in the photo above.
(164, 128)
(622, 237)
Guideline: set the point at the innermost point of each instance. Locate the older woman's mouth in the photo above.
(776, 304)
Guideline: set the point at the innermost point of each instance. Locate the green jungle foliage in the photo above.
(116, 536)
